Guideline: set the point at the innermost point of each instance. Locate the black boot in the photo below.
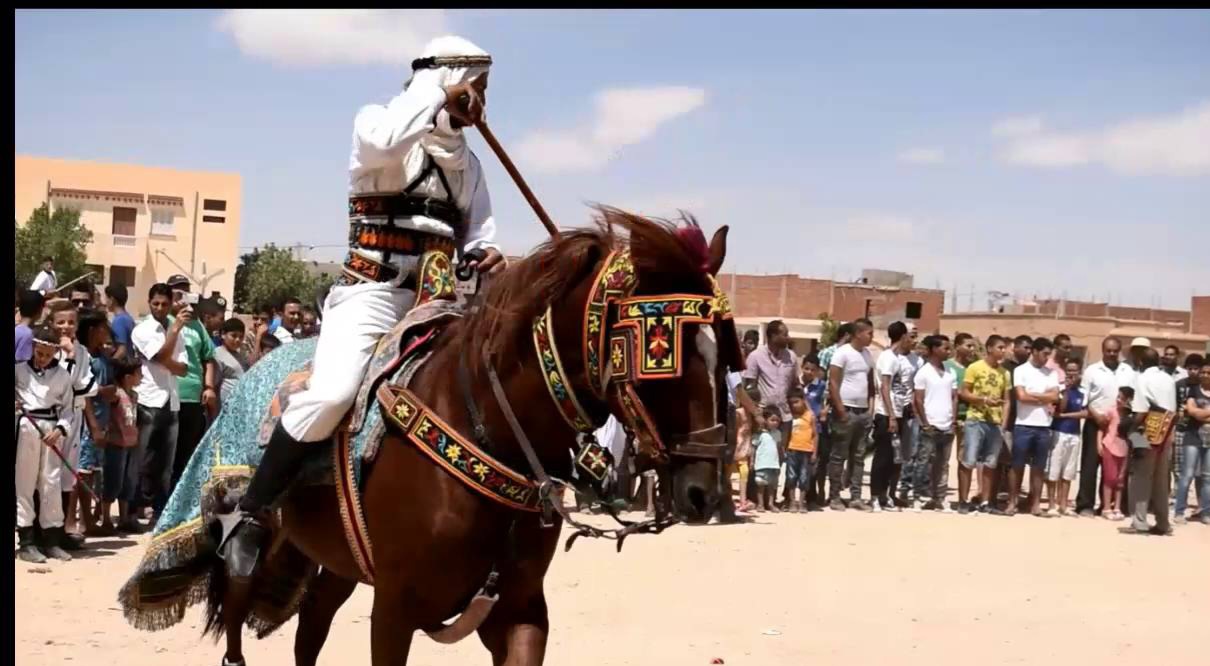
(278, 468)
(52, 544)
(27, 548)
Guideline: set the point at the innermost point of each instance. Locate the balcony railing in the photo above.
(124, 241)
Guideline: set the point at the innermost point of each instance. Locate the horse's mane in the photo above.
(666, 256)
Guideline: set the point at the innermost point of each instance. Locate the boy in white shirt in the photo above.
(1037, 387)
(936, 403)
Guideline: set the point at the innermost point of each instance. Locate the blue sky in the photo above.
(1024, 151)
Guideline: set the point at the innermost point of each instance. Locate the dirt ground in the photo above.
(823, 588)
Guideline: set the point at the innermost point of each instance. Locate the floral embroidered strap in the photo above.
(457, 454)
(616, 280)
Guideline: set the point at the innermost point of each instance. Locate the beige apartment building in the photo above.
(147, 223)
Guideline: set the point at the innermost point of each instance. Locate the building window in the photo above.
(215, 219)
(913, 310)
(218, 205)
(123, 275)
(124, 220)
(163, 223)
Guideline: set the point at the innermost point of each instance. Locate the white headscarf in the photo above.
(446, 144)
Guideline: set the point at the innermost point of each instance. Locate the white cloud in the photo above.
(1176, 144)
(922, 156)
(333, 36)
(1018, 126)
(622, 117)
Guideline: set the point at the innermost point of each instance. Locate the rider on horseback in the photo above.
(414, 186)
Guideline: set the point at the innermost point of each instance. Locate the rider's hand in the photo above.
(492, 263)
(465, 101)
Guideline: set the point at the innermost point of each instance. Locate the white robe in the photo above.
(37, 467)
(387, 155)
(83, 386)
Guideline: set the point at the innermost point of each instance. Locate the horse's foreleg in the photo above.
(391, 628)
(325, 595)
(236, 603)
(516, 634)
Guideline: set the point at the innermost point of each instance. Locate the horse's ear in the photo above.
(718, 249)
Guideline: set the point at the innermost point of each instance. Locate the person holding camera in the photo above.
(198, 387)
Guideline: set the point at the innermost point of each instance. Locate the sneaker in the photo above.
(932, 505)
(983, 508)
(963, 508)
(944, 507)
(1087, 513)
(876, 506)
(995, 511)
(836, 505)
(1205, 518)
(916, 506)
(859, 505)
(1051, 513)
(1179, 520)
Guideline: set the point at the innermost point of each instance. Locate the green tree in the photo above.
(270, 274)
(59, 235)
(828, 328)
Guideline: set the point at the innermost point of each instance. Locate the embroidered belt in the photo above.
(404, 205)
(455, 453)
(48, 414)
(386, 238)
(360, 268)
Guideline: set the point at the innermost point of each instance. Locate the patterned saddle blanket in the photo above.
(397, 357)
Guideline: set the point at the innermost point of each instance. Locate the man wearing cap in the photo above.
(198, 388)
(413, 182)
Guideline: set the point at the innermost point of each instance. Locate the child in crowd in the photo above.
(1113, 446)
(800, 454)
(122, 436)
(75, 359)
(743, 450)
(267, 344)
(44, 395)
(95, 334)
(229, 356)
(768, 460)
(1065, 449)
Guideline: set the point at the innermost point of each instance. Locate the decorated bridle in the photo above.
(644, 336)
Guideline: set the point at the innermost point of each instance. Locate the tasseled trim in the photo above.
(175, 572)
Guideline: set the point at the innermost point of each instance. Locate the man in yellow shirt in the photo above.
(800, 454)
(985, 389)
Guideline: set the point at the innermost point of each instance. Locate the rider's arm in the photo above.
(481, 225)
(382, 135)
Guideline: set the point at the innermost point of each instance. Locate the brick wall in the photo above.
(794, 297)
(1201, 315)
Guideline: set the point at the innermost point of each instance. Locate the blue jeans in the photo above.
(1031, 445)
(1195, 460)
(798, 470)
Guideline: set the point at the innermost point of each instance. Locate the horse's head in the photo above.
(672, 341)
(631, 324)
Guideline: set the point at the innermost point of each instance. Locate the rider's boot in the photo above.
(278, 468)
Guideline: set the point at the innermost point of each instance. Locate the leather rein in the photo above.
(644, 335)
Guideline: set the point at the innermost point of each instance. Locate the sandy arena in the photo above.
(825, 588)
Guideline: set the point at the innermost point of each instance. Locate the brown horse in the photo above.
(434, 539)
